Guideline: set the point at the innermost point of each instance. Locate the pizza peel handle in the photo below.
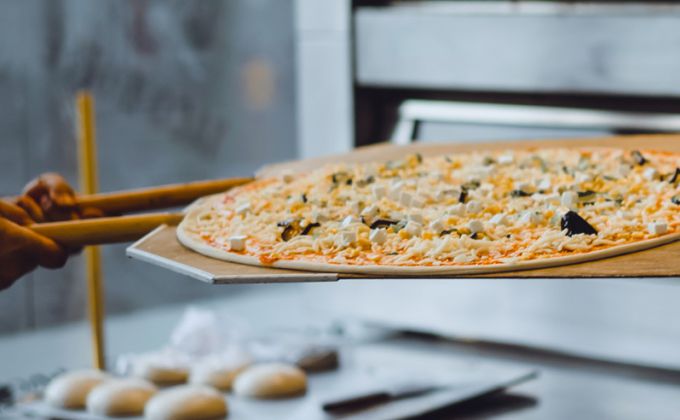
(155, 198)
(104, 230)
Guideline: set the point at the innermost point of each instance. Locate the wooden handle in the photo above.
(104, 230)
(162, 197)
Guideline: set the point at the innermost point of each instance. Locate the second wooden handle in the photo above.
(105, 230)
(162, 197)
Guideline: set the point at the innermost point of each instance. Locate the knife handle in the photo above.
(357, 401)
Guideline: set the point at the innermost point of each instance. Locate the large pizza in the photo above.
(448, 214)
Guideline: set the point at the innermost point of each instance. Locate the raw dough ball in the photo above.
(120, 397)
(219, 371)
(271, 380)
(70, 389)
(163, 368)
(186, 402)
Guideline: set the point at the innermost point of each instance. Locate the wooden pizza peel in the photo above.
(160, 247)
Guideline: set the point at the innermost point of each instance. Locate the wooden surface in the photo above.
(161, 248)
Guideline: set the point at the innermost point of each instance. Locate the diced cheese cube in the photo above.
(417, 202)
(447, 193)
(379, 191)
(349, 220)
(437, 225)
(377, 236)
(457, 209)
(583, 177)
(370, 211)
(622, 214)
(624, 170)
(499, 219)
(651, 174)
(355, 207)
(476, 226)
(657, 228)
(237, 243)
(530, 217)
(523, 186)
(569, 199)
(243, 208)
(396, 215)
(414, 228)
(318, 216)
(416, 217)
(462, 258)
(405, 198)
(553, 198)
(545, 184)
(506, 159)
(473, 207)
(436, 176)
(395, 190)
(349, 237)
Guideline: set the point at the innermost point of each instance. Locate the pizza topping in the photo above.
(379, 191)
(657, 228)
(473, 207)
(519, 193)
(651, 174)
(437, 225)
(575, 224)
(383, 223)
(414, 228)
(676, 199)
(674, 178)
(243, 208)
(638, 158)
(309, 228)
(378, 236)
(475, 226)
(569, 199)
(237, 243)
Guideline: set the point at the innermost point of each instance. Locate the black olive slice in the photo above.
(675, 176)
(304, 198)
(638, 158)
(291, 228)
(676, 199)
(383, 223)
(471, 185)
(488, 160)
(448, 232)
(309, 228)
(463, 195)
(575, 224)
(519, 193)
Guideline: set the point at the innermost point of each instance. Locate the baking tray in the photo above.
(366, 366)
(161, 247)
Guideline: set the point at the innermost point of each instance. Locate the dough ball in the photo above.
(163, 368)
(186, 402)
(271, 380)
(70, 389)
(120, 397)
(218, 372)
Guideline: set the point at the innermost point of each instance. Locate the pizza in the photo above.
(446, 214)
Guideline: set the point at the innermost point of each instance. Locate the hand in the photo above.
(49, 198)
(21, 249)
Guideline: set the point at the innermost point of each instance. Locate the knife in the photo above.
(377, 396)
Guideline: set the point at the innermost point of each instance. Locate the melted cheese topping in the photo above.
(459, 209)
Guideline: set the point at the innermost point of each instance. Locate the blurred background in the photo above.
(217, 88)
